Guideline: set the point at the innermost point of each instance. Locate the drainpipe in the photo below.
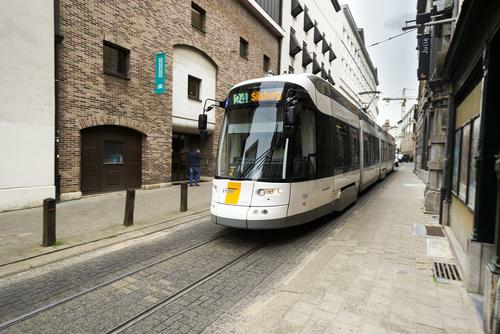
(279, 55)
(57, 42)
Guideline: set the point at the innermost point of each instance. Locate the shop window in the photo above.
(464, 170)
(474, 150)
(266, 63)
(456, 157)
(198, 16)
(194, 88)
(464, 166)
(243, 48)
(116, 59)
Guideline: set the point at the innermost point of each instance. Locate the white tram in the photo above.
(289, 153)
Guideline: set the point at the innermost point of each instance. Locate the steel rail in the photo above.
(47, 307)
(162, 303)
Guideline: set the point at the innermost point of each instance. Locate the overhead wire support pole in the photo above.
(429, 24)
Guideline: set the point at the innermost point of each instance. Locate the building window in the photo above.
(116, 59)
(266, 63)
(112, 153)
(194, 88)
(198, 16)
(243, 48)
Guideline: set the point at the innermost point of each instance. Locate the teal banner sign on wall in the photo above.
(160, 73)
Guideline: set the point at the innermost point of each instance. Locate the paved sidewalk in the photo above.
(93, 218)
(373, 275)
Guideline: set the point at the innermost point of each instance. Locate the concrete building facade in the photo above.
(115, 132)
(321, 37)
(458, 141)
(432, 109)
(407, 133)
(471, 203)
(27, 103)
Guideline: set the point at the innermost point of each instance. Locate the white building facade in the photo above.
(27, 107)
(321, 37)
(407, 126)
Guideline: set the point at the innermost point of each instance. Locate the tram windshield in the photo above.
(252, 144)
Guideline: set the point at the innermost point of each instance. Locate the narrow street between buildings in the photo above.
(369, 270)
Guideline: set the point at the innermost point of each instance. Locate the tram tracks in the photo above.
(74, 296)
(315, 241)
(164, 302)
(138, 315)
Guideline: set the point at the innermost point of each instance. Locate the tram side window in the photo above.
(342, 146)
(366, 150)
(325, 151)
(304, 152)
(354, 148)
(377, 150)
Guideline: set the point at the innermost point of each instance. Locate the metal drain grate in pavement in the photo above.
(435, 231)
(446, 271)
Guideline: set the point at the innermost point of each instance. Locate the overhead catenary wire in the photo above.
(390, 38)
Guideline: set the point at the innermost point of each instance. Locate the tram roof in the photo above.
(313, 83)
(298, 79)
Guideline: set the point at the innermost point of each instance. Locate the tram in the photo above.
(290, 153)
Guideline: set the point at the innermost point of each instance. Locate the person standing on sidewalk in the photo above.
(194, 159)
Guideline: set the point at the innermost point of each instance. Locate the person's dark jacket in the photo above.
(194, 159)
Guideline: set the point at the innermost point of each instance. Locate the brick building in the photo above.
(114, 131)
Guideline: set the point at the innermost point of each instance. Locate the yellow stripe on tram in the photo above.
(233, 192)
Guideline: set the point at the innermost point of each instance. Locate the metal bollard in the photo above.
(128, 220)
(184, 197)
(49, 222)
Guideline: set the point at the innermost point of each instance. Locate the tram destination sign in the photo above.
(256, 96)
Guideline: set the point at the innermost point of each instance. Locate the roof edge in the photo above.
(355, 29)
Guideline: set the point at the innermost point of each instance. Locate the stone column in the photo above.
(492, 288)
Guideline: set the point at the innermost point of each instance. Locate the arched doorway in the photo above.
(194, 80)
(110, 159)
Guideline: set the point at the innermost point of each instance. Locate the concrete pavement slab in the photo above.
(91, 222)
(372, 275)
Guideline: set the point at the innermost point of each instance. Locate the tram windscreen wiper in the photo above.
(260, 160)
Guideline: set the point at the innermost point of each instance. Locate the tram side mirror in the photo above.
(290, 111)
(202, 122)
(290, 114)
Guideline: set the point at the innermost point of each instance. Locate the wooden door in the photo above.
(111, 159)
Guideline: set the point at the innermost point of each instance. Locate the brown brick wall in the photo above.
(88, 97)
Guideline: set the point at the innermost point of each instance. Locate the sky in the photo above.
(396, 59)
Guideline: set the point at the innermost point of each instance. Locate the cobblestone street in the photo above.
(367, 270)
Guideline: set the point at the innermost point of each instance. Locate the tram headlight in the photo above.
(269, 191)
